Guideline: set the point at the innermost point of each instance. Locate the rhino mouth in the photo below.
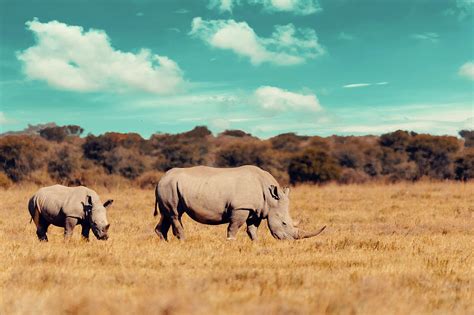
(99, 234)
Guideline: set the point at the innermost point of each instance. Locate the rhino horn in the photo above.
(303, 234)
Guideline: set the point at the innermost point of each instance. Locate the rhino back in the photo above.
(56, 202)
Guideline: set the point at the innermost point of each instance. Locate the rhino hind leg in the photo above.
(163, 227)
(178, 229)
(42, 229)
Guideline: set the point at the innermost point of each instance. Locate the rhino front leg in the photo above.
(86, 228)
(69, 227)
(237, 219)
(252, 227)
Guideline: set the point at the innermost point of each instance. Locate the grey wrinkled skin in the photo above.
(67, 207)
(240, 195)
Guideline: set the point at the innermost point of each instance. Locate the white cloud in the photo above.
(297, 7)
(358, 85)
(286, 46)
(276, 99)
(223, 5)
(181, 11)
(3, 119)
(467, 70)
(463, 9)
(67, 57)
(345, 36)
(428, 36)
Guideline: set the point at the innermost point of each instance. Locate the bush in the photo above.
(313, 165)
(125, 162)
(149, 179)
(235, 133)
(59, 133)
(245, 153)
(65, 165)
(288, 142)
(352, 176)
(468, 136)
(434, 156)
(464, 165)
(21, 155)
(5, 182)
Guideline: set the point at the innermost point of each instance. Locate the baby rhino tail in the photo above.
(156, 201)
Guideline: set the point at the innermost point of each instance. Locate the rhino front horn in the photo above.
(303, 234)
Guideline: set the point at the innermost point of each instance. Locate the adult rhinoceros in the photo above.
(239, 195)
(67, 207)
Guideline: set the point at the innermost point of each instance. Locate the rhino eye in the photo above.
(284, 223)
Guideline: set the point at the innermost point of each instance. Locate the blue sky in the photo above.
(264, 66)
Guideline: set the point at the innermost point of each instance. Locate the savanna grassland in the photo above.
(388, 249)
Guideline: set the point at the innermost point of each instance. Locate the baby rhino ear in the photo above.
(108, 203)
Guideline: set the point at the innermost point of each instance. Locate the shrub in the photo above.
(21, 155)
(433, 155)
(464, 165)
(235, 133)
(245, 153)
(149, 179)
(5, 182)
(65, 165)
(59, 133)
(288, 142)
(313, 165)
(468, 136)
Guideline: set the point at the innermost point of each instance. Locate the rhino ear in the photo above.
(108, 203)
(274, 192)
(89, 200)
(87, 208)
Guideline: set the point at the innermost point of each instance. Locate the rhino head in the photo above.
(279, 221)
(96, 213)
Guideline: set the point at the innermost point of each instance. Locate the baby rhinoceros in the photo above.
(67, 207)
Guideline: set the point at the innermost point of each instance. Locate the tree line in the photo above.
(60, 154)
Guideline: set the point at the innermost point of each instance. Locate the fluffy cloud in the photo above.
(67, 57)
(467, 70)
(276, 99)
(463, 9)
(286, 46)
(298, 7)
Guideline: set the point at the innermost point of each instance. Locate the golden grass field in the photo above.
(388, 249)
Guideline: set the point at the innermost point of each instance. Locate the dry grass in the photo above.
(388, 250)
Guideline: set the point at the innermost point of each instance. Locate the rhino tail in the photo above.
(35, 210)
(155, 213)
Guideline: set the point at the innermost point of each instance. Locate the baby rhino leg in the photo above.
(41, 227)
(69, 227)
